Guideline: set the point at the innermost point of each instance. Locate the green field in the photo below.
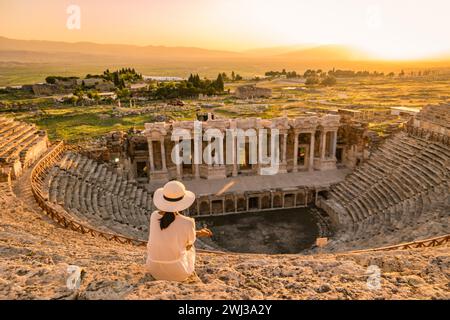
(78, 123)
(290, 98)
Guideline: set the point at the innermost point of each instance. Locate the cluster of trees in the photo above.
(186, 89)
(314, 73)
(319, 77)
(419, 73)
(323, 80)
(120, 77)
(353, 74)
(80, 93)
(350, 73)
(288, 74)
(194, 81)
(313, 76)
(53, 79)
(234, 77)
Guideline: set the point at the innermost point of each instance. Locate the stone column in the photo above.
(311, 151)
(179, 165)
(234, 155)
(211, 165)
(333, 145)
(258, 164)
(271, 200)
(163, 154)
(295, 168)
(150, 155)
(284, 148)
(193, 166)
(323, 144)
(198, 147)
(221, 153)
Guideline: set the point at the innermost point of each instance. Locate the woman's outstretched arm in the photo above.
(204, 233)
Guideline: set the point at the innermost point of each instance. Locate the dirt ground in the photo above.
(35, 255)
(271, 232)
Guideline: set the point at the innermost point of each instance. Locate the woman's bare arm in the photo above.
(204, 233)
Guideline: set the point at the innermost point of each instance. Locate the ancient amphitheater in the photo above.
(64, 205)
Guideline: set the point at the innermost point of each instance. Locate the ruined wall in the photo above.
(434, 118)
(247, 92)
(353, 142)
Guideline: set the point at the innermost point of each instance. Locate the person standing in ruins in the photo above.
(170, 249)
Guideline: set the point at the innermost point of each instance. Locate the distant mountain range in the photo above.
(55, 51)
(36, 50)
(35, 58)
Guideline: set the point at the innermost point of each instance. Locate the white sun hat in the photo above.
(173, 197)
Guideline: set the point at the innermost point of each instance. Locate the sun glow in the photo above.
(386, 52)
(401, 29)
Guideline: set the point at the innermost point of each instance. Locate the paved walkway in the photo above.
(22, 190)
(257, 183)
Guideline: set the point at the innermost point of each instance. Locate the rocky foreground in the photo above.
(35, 254)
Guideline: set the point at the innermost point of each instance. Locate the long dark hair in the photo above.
(166, 220)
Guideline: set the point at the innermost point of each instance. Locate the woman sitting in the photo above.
(170, 249)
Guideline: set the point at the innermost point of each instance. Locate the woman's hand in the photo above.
(204, 233)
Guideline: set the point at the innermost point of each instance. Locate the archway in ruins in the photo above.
(253, 203)
(265, 202)
(204, 208)
(217, 206)
(229, 205)
(241, 204)
(277, 201)
(289, 200)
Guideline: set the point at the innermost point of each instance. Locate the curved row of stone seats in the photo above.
(20, 145)
(378, 232)
(100, 197)
(404, 176)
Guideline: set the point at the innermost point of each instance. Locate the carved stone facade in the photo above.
(304, 144)
(236, 202)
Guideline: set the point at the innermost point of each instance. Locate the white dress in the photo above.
(167, 257)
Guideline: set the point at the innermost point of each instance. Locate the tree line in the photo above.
(191, 87)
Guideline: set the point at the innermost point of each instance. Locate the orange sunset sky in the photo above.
(390, 29)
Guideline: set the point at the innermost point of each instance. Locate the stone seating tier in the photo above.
(406, 176)
(94, 193)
